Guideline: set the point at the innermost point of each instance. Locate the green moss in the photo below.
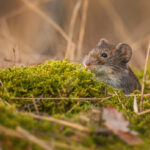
(52, 79)
(64, 79)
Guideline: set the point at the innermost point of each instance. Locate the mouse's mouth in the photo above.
(91, 64)
(88, 62)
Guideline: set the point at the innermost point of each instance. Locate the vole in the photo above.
(110, 64)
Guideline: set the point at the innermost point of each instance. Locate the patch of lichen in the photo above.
(64, 79)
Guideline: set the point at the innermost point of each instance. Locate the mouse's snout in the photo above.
(87, 63)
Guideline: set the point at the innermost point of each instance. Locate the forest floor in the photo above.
(60, 105)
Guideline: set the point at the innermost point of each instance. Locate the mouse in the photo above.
(109, 62)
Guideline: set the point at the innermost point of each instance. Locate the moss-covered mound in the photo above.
(52, 79)
(71, 124)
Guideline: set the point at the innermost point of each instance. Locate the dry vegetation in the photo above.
(32, 31)
(44, 29)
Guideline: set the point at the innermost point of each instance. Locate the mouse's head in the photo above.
(108, 54)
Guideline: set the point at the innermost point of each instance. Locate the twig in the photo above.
(17, 134)
(144, 77)
(132, 95)
(46, 18)
(74, 106)
(144, 112)
(23, 134)
(35, 102)
(70, 48)
(82, 28)
(62, 122)
(10, 132)
(75, 98)
(33, 139)
(123, 106)
(35, 106)
(5, 102)
(62, 98)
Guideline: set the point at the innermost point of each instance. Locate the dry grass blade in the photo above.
(22, 9)
(132, 95)
(10, 132)
(20, 134)
(63, 98)
(35, 106)
(33, 139)
(62, 122)
(70, 47)
(116, 19)
(11, 39)
(135, 107)
(47, 19)
(120, 100)
(119, 25)
(74, 106)
(5, 102)
(144, 112)
(82, 28)
(144, 77)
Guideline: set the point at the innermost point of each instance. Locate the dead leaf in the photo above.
(114, 121)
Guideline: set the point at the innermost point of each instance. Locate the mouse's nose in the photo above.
(88, 63)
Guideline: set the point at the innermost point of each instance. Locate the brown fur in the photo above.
(113, 69)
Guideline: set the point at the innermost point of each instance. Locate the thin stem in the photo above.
(144, 77)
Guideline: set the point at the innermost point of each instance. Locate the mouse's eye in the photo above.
(104, 55)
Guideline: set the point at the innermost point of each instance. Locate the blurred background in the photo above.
(32, 31)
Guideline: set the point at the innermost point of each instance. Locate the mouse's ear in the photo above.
(103, 43)
(124, 52)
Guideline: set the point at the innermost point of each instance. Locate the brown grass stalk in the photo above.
(7, 34)
(123, 106)
(33, 139)
(21, 133)
(144, 77)
(82, 28)
(35, 105)
(10, 132)
(48, 19)
(119, 25)
(76, 98)
(132, 95)
(144, 112)
(62, 122)
(116, 19)
(70, 48)
(63, 98)
(74, 106)
(21, 10)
